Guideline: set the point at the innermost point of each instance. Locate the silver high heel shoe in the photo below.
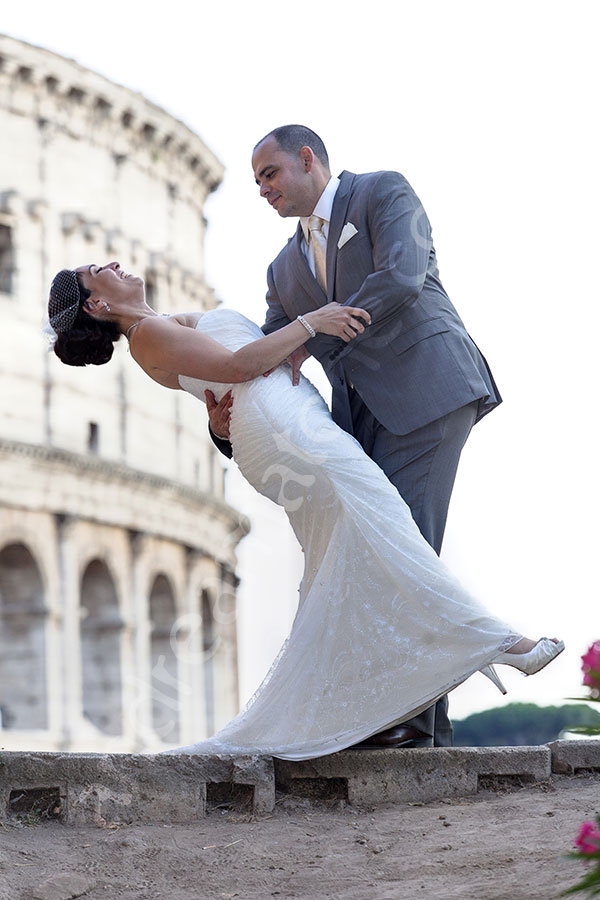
(490, 672)
(536, 659)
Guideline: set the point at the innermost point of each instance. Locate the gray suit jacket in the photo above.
(416, 362)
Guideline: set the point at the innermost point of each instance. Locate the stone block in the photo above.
(92, 788)
(375, 777)
(572, 757)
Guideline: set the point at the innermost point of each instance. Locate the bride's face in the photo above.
(110, 282)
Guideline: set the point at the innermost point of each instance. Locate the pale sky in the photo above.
(489, 109)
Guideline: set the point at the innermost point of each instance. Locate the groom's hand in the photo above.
(219, 413)
(295, 360)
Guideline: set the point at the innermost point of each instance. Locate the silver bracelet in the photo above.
(308, 327)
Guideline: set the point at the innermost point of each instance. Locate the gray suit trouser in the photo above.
(422, 466)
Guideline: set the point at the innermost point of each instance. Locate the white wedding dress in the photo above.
(382, 628)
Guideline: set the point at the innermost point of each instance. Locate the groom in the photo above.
(413, 384)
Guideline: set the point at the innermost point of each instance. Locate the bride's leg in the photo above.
(535, 658)
(522, 646)
(526, 644)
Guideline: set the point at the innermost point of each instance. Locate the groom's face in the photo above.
(284, 179)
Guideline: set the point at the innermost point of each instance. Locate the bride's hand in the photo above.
(344, 322)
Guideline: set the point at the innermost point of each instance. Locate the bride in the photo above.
(382, 629)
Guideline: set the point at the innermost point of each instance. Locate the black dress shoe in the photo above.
(398, 736)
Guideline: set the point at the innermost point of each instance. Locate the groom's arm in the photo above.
(276, 315)
(222, 444)
(320, 346)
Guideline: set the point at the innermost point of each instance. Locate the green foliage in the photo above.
(588, 852)
(521, 724)
(587, 842)
(590, 882)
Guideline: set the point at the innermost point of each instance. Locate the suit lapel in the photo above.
(338, 219)
(301, 271)
(298, 262)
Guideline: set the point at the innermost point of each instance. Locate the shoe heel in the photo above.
(490, 672)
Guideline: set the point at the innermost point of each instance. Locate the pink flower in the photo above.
(591, 666)
(588, 839)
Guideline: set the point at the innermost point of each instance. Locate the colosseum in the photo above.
(117, 549)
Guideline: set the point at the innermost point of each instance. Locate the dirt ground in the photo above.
(495, 846)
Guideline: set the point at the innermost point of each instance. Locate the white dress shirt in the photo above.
(323, 210)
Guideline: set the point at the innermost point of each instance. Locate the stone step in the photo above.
(98, 788)
(93, 788)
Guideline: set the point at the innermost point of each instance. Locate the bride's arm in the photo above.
(163, 344)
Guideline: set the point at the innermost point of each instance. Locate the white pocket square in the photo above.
(348, 231)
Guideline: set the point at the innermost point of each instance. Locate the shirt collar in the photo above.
(324, 205)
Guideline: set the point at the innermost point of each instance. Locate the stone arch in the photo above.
(23, 612)
(164, 671)
(100, 634)
(209, 647)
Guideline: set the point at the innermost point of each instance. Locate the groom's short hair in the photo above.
(292, 138)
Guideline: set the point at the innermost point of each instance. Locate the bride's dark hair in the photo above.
(88, 341)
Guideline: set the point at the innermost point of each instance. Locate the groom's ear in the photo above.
(307, 158)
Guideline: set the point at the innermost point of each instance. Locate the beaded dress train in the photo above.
(382, 628)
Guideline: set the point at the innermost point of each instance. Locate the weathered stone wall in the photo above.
(117, 550)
